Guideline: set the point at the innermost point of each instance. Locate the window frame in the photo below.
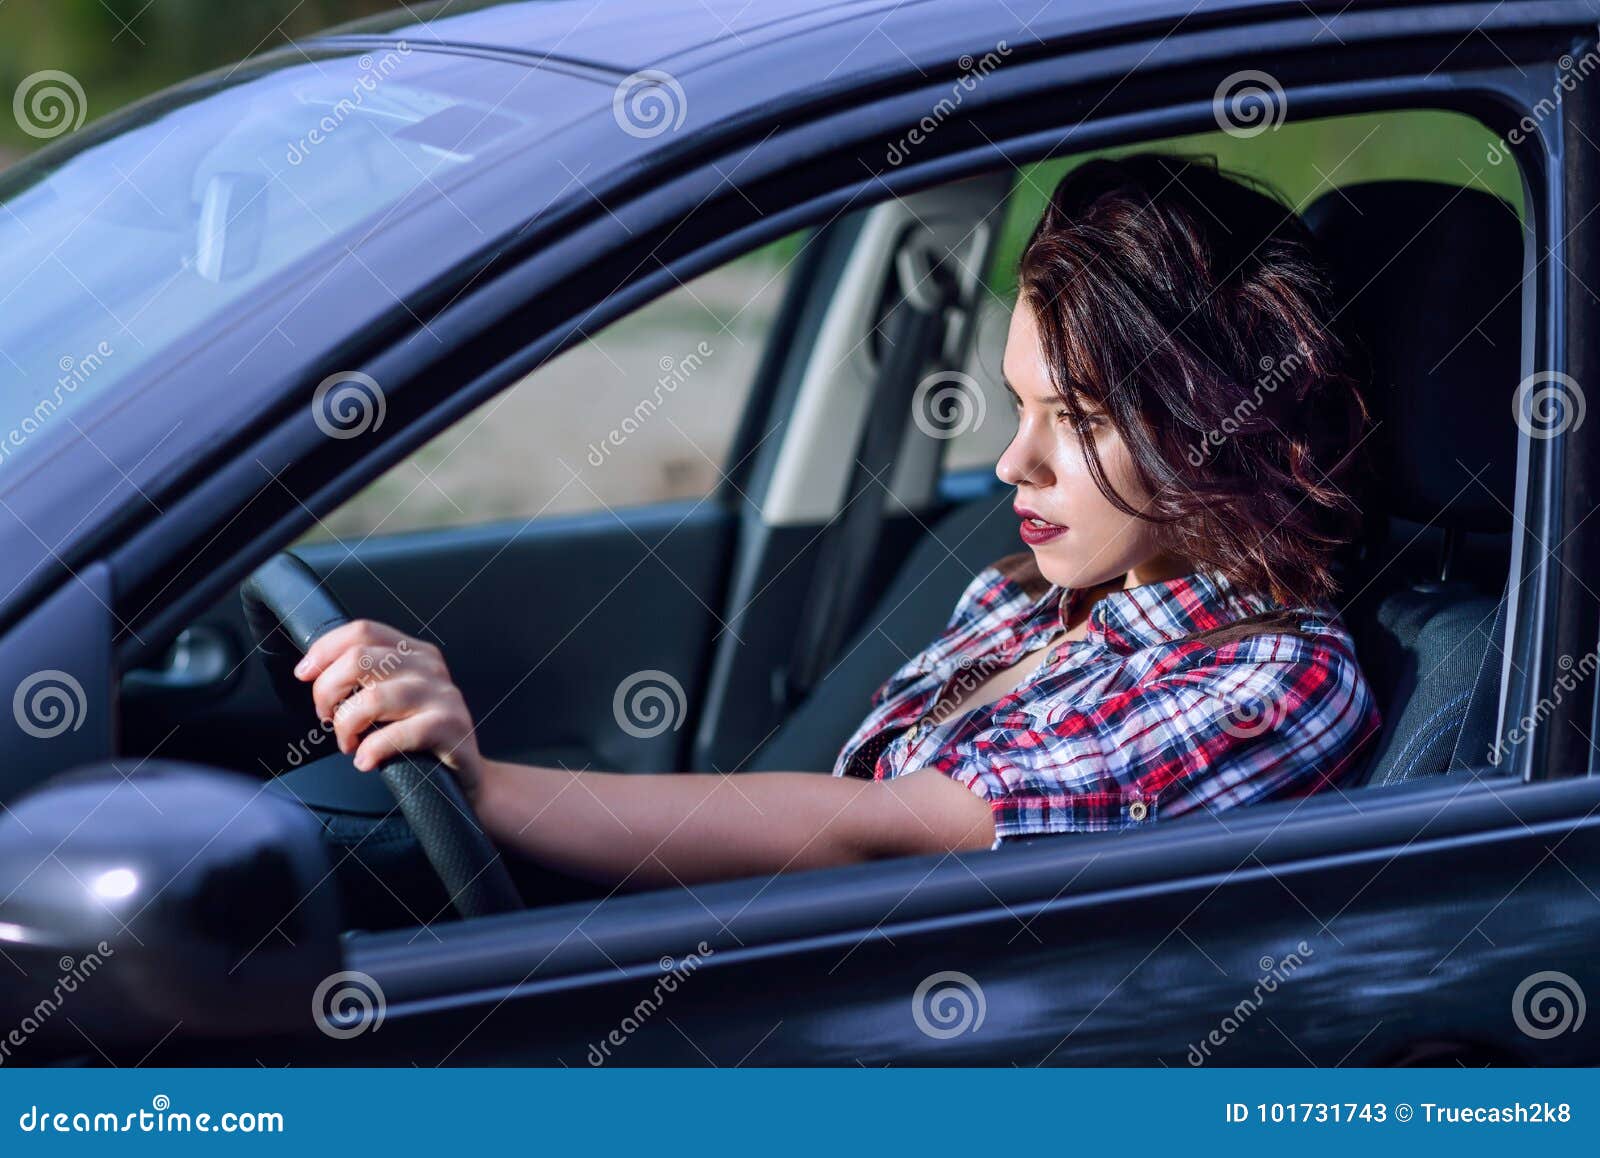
(1494, 94)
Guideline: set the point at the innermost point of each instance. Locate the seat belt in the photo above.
(845, 556)
(1479, 734)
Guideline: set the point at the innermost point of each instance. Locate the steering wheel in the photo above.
(288, 608)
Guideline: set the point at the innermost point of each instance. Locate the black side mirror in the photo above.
(165, 899)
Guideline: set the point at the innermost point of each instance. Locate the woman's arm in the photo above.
(649, 829)
(706, 826)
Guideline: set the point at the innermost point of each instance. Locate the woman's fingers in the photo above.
(363, 666)
(341, 677)
(392, 699)
(366, 674)
(428, 729)
(357, 633)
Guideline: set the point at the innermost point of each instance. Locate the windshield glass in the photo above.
(133, 234)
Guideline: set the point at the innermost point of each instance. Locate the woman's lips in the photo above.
(1036, 531)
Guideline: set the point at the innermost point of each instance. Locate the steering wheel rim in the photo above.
(288, 608)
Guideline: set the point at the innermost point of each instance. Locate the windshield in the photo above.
(133, 234)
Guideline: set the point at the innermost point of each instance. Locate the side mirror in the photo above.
(169, 895)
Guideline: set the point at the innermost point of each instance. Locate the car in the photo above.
(249, 322)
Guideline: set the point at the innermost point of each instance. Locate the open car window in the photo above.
(1302, 160)
(645, 410)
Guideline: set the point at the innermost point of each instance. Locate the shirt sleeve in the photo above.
(1270, 716)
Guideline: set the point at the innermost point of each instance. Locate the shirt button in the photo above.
(1138, 810)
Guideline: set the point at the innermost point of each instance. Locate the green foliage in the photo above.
(119, 50)
(1301, 160)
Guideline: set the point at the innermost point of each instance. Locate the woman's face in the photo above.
(1078, 536)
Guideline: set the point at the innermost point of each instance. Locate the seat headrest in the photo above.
(1428, 277)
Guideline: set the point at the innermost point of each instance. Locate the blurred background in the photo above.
(119, 50)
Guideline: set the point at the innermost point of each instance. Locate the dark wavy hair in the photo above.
(1189, 307)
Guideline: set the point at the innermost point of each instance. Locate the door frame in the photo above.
(1384, 825)
(973, 888)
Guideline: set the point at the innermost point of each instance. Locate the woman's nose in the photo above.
(1024, 462)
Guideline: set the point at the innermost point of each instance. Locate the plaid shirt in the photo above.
(1132, 723)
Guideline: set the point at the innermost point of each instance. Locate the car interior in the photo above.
(838, 530)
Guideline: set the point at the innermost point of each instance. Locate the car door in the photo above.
(1393, 924)
(1101, 949)
(1309, 935)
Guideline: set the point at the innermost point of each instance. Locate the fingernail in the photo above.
(301, 668)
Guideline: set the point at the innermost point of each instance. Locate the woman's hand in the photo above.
(367, 675)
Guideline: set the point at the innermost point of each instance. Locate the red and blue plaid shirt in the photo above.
(1134, 722)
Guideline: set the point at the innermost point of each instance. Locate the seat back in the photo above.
(1429, 280)
(908, 616)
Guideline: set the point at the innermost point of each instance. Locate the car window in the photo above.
(1302, 160)
(145, 228)
(642, 411)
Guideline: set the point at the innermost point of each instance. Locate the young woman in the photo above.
(1185, 415)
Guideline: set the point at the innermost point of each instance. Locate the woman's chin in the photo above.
(1055, 569)
(1061, 569)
